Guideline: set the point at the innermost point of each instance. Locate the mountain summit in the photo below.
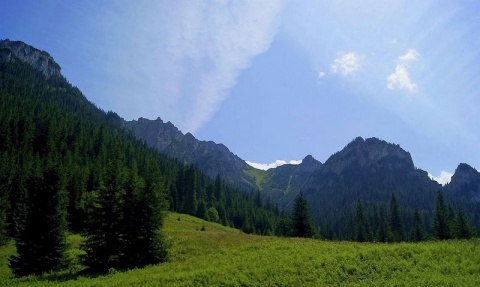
(39, 60)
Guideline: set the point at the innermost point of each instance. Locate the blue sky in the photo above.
(276, 80)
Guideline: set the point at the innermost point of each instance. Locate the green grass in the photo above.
(258, 175)
(222, 256)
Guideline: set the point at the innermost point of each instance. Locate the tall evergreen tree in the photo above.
(382, 232)
(396, 223)
(41, 243)
(441, 225)
(103, 244)
(418, 230)
(4, 191)
(461, 226)
(191, 200)
(302, 224)
(143, 243)
(362, 231)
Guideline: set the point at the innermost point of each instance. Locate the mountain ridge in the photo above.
(365, 170)
(39, 60)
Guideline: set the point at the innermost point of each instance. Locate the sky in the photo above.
(276, 80)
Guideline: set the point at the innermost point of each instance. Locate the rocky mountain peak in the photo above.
(370, 152)
(39, 60)
(309, 164)
(465, 174)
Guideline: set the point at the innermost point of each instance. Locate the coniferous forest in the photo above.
(67, 166)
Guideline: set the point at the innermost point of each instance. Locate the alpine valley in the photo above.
(357, 184)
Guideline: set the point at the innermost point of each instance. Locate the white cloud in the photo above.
(401, 79)
(321, 74)
(444, 177)
(346, 63)
(277, 163)
(209, 44)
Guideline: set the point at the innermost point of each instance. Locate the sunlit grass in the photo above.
(222, 256)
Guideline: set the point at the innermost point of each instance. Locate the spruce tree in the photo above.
(103, 244)
(302, 224)
(143, 243)
(4, 191)
(362, 228)
(396, 223)
(41, 242)
(382, 232)
(441, 226)
(418, 230)
(461, 225)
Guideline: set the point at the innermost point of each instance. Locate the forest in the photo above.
(68, 166)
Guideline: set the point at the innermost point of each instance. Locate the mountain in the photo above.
(39, 60)
(53, 140)
(213, 159)
(283, 183)
(464, 190)
(465, 183)
(367, 171)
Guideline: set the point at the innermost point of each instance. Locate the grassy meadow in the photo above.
(222, 256)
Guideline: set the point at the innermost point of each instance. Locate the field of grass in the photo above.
(221, 256)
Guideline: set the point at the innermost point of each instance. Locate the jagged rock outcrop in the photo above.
(39, 60)
(212, 158)
(465, 184)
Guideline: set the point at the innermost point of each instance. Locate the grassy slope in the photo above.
(227, 257)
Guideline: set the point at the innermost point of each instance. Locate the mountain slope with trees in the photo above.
(69, 166)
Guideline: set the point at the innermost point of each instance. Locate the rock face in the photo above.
(465, 185)
(39, 60)
(213, 159)
(369, 154)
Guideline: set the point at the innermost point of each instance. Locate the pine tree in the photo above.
(396, 223)
(382, 232)
(302, 225)
(191, 201)
(362, 228)
(103, 244)
(41, 242)
(418, 230)
(461, 226)
(441, 226)
(4, 191)
(143, 243)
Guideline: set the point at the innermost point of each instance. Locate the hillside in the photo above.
(221, 256)
(55, 142)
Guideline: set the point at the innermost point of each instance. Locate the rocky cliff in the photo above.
(212, 158)
(39, 60)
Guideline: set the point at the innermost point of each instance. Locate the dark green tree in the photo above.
(4, 204)
(396, 223)
(441, 225)
(143, 243)
(382, 230)
(302, 224)
(362, 230)
(104, 233)
(461, 226)
(41, 243)
(418, 229)
(191, 202)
